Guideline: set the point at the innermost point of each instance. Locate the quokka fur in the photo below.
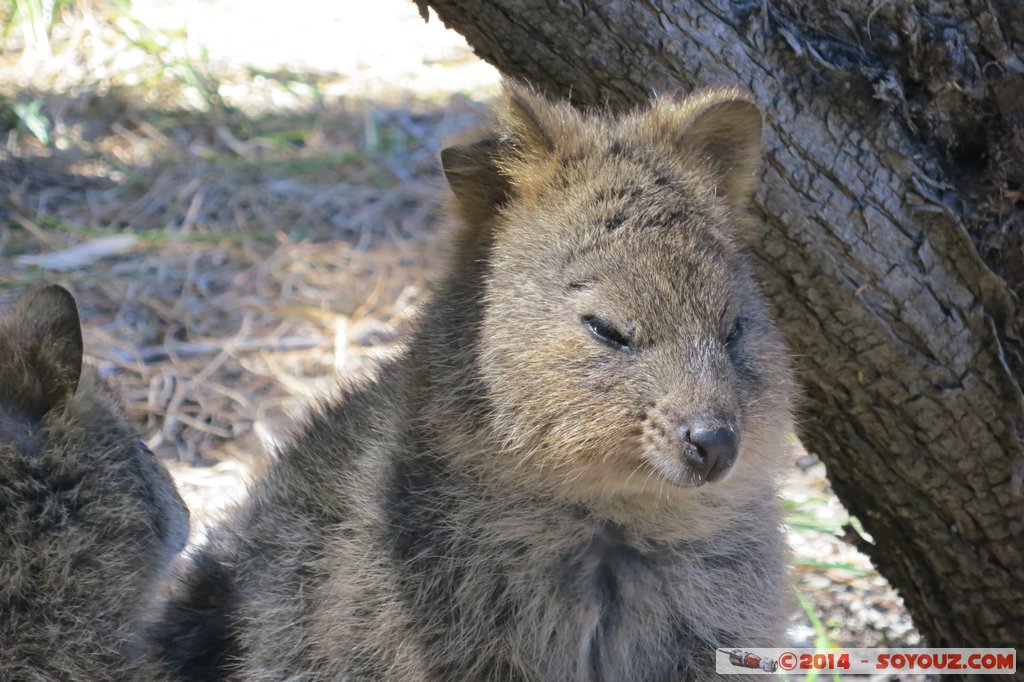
(516, 497)
(89, 519)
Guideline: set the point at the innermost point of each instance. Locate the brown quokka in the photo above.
(570, 472)
(89, 519)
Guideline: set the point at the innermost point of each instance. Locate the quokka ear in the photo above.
(722, 128)
(48, 331)
(476, 181)
(529, 123)
(484, 174)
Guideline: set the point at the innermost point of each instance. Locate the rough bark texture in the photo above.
(892, 246)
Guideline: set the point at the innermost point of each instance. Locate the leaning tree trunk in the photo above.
(892, 246)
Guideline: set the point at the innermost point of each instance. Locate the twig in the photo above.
(188, 349)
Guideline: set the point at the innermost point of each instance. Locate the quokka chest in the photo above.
(618, 612)
(603, 570)
(545, 594)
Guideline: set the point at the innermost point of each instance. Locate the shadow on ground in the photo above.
(227, 263)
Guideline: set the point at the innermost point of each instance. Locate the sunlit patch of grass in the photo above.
(823, 641)
(173, 60)
(104, 44)
(306, 86)
(849, 567)
(801, 516)
(35, 19)
(27, 115)
(301, 166)
(31, 117)
(827, 568)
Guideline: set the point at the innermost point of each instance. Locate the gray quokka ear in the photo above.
(473, 174)
(485, 173)
(722, 128)
(48, 329)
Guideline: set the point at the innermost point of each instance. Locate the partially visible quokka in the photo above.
(570, 473)
(89, 519)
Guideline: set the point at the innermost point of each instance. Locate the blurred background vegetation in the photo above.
(245, 199)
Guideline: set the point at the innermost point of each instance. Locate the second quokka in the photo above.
(90, 521)
(570, 472)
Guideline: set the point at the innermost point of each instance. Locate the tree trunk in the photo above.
(893, 246)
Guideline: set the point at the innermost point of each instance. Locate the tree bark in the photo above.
(892, 246)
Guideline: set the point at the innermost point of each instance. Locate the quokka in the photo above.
(89, 519)
(570, 472)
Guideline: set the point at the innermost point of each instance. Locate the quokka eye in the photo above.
(605, 332)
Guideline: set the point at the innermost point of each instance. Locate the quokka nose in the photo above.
(713, 452)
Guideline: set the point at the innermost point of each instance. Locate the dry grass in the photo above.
(264, 253)
(233, 235)
(236, 229)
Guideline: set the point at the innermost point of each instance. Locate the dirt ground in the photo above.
(245, 203)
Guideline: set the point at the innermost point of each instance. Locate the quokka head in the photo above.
(59, 416)
(624, 345)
